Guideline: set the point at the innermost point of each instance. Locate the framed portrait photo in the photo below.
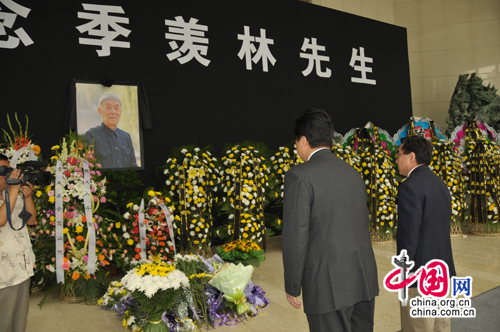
(108, 117)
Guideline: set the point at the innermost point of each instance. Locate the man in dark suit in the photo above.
(326, 244)
(424, 214)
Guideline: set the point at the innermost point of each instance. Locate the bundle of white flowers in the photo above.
(156, 287)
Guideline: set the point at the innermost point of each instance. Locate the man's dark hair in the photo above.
(418, 145)
(317, 126)
(3, 157)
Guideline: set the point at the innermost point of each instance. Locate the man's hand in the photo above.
(27, 190)
(293, 301)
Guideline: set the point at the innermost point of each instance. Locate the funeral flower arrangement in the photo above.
(422, 127)
(483, 130)
(481, 161)
(184, 294)
(158, 240)
(77, 282)
(155, 286)
(370, 154)
(191, 179)
(18, 143)
(285, 158)
(242, 251)
(347, 154)
(246, 184)
(447, 164)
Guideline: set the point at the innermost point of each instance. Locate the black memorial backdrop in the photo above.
(223, 102)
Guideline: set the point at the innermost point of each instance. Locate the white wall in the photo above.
(446, 38)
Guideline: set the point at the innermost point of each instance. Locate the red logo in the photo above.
(433, 278)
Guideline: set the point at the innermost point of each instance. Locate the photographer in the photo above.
(16, 254)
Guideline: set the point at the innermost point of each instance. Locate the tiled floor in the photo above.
(474, 256)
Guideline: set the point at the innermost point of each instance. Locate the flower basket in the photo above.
(485, 230)
(241, 251)
(156, 288)
(380, 237)
(68, 293)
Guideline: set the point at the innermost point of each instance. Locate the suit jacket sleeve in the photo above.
(410, 220)
(295, 238)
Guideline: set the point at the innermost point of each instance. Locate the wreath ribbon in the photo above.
(183, 208)
(260, 200)
(90, 222)
(168, 217)
(59, 223)
(142, 230)
(237, 202)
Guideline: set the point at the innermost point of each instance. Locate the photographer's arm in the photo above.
(29, 203)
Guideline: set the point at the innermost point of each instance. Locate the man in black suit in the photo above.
(424, 214)
(326, 244)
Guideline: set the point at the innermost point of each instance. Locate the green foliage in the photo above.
(11, 140)
(252, 257)
(471, 99)
(122, 188)
(87, 291)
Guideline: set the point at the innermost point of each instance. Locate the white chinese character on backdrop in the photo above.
(109, 27)
(248, 48)
(8, 19)
(362, 67)
(192, 35)
(314, 58)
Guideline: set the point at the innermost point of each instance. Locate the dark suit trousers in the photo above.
(358, 318)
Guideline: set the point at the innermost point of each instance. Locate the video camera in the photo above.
(32, 173)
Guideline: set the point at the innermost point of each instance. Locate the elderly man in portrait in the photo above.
(112, 145)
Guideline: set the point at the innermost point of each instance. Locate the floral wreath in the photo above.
(159, 247)
(191, 179)
(245, 182)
